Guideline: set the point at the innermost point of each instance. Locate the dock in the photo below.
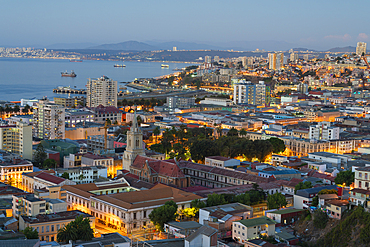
(68, 90)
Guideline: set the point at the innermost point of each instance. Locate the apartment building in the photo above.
(127, 211)
(104, 113)
(47, 225)
(83, 175)
(179, 102)
(251, 94)
(276, 61)
(48, 120)
(70, 102)
(243, 230)
(323, 131)
(361, 48)
(17, 139)
(101, 91)
(43, 179)
(75, 116)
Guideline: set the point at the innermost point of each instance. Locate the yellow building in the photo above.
(17, 139)
(47, 225)
(11, 170)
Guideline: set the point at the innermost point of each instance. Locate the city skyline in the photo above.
(285, 24)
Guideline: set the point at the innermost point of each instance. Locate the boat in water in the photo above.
(66, 74)
(76, 60)
(165, 66)
(119, 66)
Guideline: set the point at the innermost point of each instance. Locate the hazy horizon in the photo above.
(318, 25)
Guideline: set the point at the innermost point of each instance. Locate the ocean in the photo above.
(23, 78)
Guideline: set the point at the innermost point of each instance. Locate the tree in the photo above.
(156, 132)
(243, 132)
(233, 132)
(215, 200)
(315, 201)
(65, 175)
(203, 148)
(170, 80)
(81, 177)
(79, 229)
(163, 214)
(30, 233)
(332, 191)
(302, 186)
(40, 156)
(345, 177)
(49, 163)
(276, 200)
(198, 204)
(277, 144)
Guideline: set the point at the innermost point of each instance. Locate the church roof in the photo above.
(160, 167)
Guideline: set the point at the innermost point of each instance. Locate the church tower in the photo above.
(134, 144)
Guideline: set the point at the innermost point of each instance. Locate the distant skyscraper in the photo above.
(101, 91)
(293, 57)
(208, 59)
(306, 57)
(244, 61)
(361, 48)
(174, 48)
(216, 59)
(248, 93)
(276, 61)
(250, 61)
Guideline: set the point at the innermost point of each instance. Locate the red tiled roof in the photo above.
(158, 166)
(50, 178)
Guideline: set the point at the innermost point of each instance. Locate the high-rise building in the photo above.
(323, 131)
(48, 120)
(17, 139)
(134, 145)
(208, 59)
(306, 57)
(216, 59)
(174, 48)
(244, 61)
(251, 94)
(101, 91)
(276, 61)
(360, 48)
(293, 57)
(250, 61)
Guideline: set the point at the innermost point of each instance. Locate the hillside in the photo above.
(352, 230)
(125, 46)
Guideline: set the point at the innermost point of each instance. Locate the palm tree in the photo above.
(243, 132)
(67, 233)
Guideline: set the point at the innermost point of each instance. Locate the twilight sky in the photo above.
(316, 24)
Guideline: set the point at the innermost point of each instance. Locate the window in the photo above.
(134, 225)
(52, 228)
(47, 228)
(144, 214)
(134, 217)
(42, 229)
(360, 175)
(37, 229)
(58, 227)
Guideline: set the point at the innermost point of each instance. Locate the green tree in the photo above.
(79, 229)
(170, 80)
(203, 148)
(163, 214)
(39, 156)
(276, 200)
(215, 199)
(65, 175)
(243, 132)
(30, 233)
(345, 177)
(277, 144)
(332, 191)
(198, 204)
(315, 201)
(49, 163)
(233, 132)
(262, 149)
(302, 186)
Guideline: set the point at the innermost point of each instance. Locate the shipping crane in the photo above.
(106, 127)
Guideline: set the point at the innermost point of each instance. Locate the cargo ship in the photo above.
(66, 74)
(165, 66)
(119, 66)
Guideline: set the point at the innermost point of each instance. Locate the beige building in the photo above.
(243, 230)
(47, 225)
(127, 211)
(28, 179)
(17, 139)
(361, 48)
(70, 102)
(43, 180)
(80, 133)
(101, 91)
(48, 120)
(11, 170)
(276, 61)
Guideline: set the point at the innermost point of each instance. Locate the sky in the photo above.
(314, 24)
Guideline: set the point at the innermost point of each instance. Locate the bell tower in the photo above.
(134, 144)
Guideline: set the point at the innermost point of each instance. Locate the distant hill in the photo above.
(343, 49)
(70, 45)
(125, 46)
(183, 45)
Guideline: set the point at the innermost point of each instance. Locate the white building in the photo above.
(220, 161)
(276, 61)
(323, 131)
(248, 93)
(217, 101)
(83, 175)
(101, 91)
(48, 120)
(361, 48)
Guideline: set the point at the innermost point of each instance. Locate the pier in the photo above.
(68, 90)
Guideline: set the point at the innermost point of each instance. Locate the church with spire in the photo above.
(134, 144)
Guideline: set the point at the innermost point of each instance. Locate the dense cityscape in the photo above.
(234, 151)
